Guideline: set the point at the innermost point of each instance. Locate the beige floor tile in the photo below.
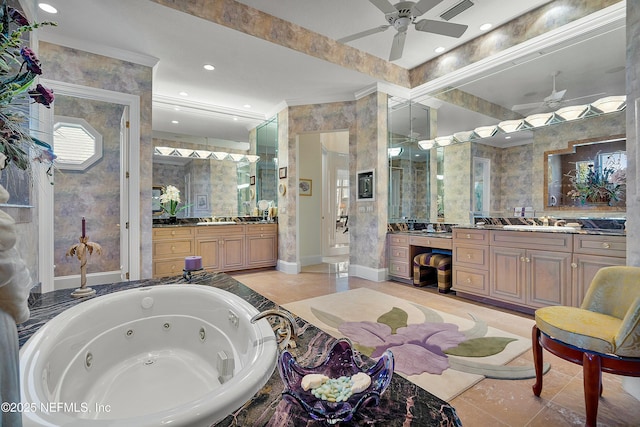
(490, 402)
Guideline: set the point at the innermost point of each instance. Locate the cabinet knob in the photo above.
(173, 233)
(428, 242)
(522, 258)
(468, 236)
(574, 265)
(173, 267)
(173, 248)
(468, 280)
(606, 245)
(527, 260)
(468, 256)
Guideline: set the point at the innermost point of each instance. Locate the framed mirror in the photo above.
(590, 174)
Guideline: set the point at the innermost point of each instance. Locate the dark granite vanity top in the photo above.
(403, 403)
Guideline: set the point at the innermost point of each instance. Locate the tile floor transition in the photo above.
(490, 402)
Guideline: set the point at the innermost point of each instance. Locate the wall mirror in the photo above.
(590, 174)
(409, 165)
(469, 103)
(267, 175)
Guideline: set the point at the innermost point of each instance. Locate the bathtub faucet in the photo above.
(286, 331)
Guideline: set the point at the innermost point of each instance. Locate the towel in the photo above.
(15, 280)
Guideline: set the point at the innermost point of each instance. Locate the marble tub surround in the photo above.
(403, 404)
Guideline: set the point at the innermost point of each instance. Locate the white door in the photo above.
(335, 204)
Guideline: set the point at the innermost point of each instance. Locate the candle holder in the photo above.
(80, 250)
(186, 274)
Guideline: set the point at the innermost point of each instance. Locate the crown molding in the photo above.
(111, 52)
(604, 20)
(169, 102)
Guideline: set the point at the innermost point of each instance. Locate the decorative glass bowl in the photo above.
(340, 362)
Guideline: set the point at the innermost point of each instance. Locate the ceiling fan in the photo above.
(403, 14)
(553, 101)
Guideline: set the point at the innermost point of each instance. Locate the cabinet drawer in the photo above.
(476, 237)
(398, 239)
(469, 280)
(262, 228)
(431, 242)
(172, 233)
(172, 248)
(399, 253)
(471, 256)
(168, 267)
(219, 230)
(400, 269)
(559, 242)
(600, 245)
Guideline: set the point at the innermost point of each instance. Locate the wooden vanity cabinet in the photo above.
(591, 252)
(399, 264)
(170, 247)
(470, 262)
(222, 247)
(530, 269)
(262, 245)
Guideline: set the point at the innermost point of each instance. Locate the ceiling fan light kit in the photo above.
(401, 15)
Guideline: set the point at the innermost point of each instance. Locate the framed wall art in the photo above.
(366, 185)
(305, 187)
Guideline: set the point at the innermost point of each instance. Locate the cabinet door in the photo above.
(262, 250)
(508, 274)
(209, 250)
(232, 253)
(584, 268)
(548, 278)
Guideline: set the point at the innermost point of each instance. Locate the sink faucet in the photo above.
(531, 221)
(286, 330)
(560, 223)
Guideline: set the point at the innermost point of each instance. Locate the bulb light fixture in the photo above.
(610, 104)
(486, 131)
(394, 151)
(537, 120)
(426, 144)
(443, 141)
(509, 126)
(572, 112)
(204, 154)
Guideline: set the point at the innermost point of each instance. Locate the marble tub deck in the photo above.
(403, 404)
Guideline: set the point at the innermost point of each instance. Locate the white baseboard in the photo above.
(288, 267)
(373, 274)
(73, 281)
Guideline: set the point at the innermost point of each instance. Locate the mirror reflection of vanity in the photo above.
(492, 174)
(226, 185)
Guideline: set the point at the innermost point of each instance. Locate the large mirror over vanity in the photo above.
(500, 140)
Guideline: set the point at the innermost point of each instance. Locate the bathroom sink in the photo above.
(216, 223)
(546, 228)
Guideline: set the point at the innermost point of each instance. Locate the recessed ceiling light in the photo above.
(47, 8)
(175, 122)
(235, 119)
(184, 94)
(176, 108)
(440, 49)
(507, 137)
(247, 105)
(485, 27)
(209, 67)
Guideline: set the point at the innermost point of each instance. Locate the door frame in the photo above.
(129, 214)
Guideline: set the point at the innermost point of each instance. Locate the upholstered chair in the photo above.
(603, 335)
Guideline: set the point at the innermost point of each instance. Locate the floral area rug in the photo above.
(440, 352)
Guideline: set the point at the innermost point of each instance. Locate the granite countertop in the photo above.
(440, 235)
(198, 222)
(403, 403)
(593, 231)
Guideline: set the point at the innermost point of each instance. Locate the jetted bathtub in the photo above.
(182, 355)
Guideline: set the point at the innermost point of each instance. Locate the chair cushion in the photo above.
(580, 328)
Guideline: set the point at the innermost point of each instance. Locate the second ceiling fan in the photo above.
(403, 14)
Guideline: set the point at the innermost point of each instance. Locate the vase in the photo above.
(173, 219)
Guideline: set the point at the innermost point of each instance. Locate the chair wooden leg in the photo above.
(592, 373)
(537, 359)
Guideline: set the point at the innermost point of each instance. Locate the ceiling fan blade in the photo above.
(586, 96)
(361, 34)
(423, 6)
(527, 106)
(398, 45)
(384, 5)
(438, 27)
(556, 96)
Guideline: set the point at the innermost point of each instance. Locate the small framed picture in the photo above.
(282, 172)
(202, 202)
(366, 185)
(305, 187)
(252, 180)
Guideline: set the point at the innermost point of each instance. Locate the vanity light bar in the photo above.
(606, 105)
(204, 154)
